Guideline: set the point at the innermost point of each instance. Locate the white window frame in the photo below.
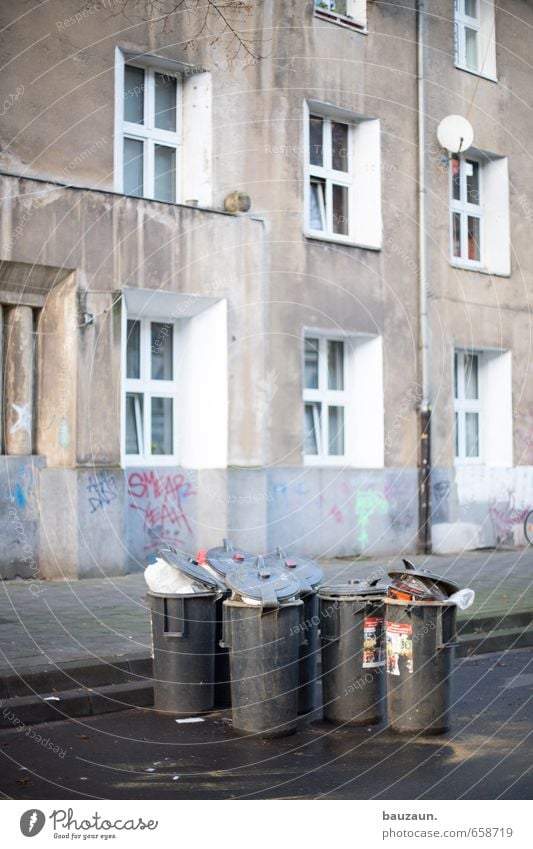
(331, 176)
(326, 398)
(483, 24)
(462, 23)
(462, 405)
(147, 133)
(355, 16)
(148, 388)
(466, 210)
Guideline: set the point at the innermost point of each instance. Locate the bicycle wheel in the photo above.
(528, 527)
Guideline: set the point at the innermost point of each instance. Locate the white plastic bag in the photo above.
(463, 598)
(161, 577)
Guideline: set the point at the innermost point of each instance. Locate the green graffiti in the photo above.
(367, 503)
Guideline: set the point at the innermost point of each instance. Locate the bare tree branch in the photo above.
(212, 20)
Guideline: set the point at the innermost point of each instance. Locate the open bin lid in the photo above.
(424, 579)
(308, 572)
(225, 558)
(190, 568)
(355, 589)
(269, 584)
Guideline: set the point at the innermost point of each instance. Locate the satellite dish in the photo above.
(455, 133)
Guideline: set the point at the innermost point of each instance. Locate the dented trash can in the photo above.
(261, 627)
(310, 575)
(353, 659)
(183, 639)
(421, 639)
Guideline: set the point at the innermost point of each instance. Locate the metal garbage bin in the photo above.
(222, 559)
(262, 630)
(421, 640)
(353, 658)
(310, 576)
(183, 639)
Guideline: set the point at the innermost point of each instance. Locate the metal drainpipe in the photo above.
(424, 483)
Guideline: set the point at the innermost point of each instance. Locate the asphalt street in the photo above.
(487, 754)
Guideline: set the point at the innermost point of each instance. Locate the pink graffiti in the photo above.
(336, 512)
(160, 500)
(504, 515)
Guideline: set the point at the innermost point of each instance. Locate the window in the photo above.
(467, 405)
(483, 407)
(163, 129)
(479, 212)
(466, 209)
(342, 177)
(474, 35)
(343, 409)
(347, 12)
(150, 389)
(151, 133)
(330, 176)
(324, 398)
(168, 371)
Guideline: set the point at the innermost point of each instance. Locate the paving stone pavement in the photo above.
(60, 621)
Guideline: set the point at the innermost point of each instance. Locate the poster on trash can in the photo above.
(399, 648)
(373, 642)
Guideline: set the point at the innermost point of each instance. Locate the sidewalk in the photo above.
(59, 636)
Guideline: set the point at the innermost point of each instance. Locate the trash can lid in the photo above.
(424, 577)
(308, 572)
(190, 568)
(354, 588)
(270, 584)
(224, 558)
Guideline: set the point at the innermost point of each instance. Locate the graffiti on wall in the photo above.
(161, 498)
(368, 503)
(23, 492)
(504, 516)
(102, 490)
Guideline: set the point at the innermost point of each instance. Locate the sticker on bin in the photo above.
(399, 648)
(373, 642)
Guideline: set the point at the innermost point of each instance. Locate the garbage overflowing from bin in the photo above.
(234, 630)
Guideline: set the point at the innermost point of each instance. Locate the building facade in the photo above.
(177, 367)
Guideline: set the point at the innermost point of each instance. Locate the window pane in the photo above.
(315, 140)
(456, 375)
(340, 209)
(311, 423)
(456, 222)
(471, 435)
(165, 102)
(335, 364)
(161, 346)
(133, 349)
(336, 430)
(457, 434)
(311, 364)
(338, 6)
(472, 181)
(134, 95)
(134, 419)
(456, 178)
(133, 167)
(164, 173)
(470, 8)
(318, 207)
(471, 376)
(471, 47)
(473, 238)
(161, 425)
(339, 146)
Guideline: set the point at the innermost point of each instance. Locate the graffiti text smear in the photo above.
(160, 498)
